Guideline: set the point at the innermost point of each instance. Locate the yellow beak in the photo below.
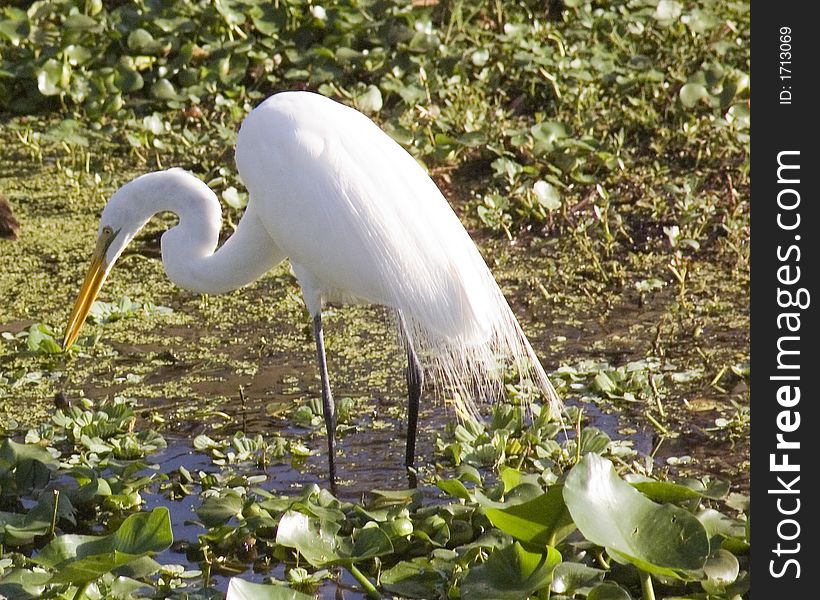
(97, 272)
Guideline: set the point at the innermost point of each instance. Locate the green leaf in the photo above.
(16, 27)
(370, 100)
(570, 576)
(78, 559)
(511, 573)
(128, 80)
(234, 198)
(239, 589)
(164, 90)
(318, 540)
(666, 491)
(218, 510)
(454, 487)
(692, 93)
(79, 22)
(547, 195)
(480, 57)
(414, 579)
(721, 569)
(542, 521)
(608, 591)
(53, 77)
(611, 513)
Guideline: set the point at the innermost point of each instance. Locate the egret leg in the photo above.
(328, 406)
(415, 381)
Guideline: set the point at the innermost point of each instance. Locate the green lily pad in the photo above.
(569, 576)
(608, 591)
(239, 589)
(511, 573)
(542, 521)
(611, 513)
(415, 578)
(370, 100)
(547, 195)
(318, 540)
(79, 559)
(692, 93)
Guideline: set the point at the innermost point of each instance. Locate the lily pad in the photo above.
(320, 543)
(239, 589)
(611, 513)
(542, 521)
(78, 559)
(511, 573)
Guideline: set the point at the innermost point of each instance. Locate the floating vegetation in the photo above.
(574, 517)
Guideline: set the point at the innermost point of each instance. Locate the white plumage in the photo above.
(359, 220)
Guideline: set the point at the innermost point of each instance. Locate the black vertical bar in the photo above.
(785, 258)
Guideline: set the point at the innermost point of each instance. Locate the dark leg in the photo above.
(328, 406)
(415, 381)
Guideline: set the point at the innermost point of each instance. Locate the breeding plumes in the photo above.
(360, 221)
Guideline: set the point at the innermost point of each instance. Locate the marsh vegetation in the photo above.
(597, 152)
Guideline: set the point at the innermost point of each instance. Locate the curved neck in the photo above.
(189, 252)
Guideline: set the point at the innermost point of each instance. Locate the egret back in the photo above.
(355, 211)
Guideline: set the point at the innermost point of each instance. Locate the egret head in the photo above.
(118, 226)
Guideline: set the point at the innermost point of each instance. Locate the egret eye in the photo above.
(107, 230)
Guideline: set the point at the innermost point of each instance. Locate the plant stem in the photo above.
(81, 590)
(53, 528)
(368, 587)
(646, 586)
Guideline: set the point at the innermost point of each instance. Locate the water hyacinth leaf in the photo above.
(692, 93)
(23, 583)
(240, 589)
(473, 139)
(370, 100)
(668, 10)
(569, 576)
(53, 77)
(542, 521)
(611, 513)
(454, 487)
(15, 27)
(41, 340)
(480, 57)
(79, 22)
(83, 558)
(369, 543)
(234, 198)
(717, 524)
(511, 573)
(665, 491)
(721, 569)
(594, 440)
(141, 41)
(700, 21)
(218, 510)
(549, 132)
(14, 454)
(128, 79)
(608, 591)
(318, 540)
(739, 115)
(415, 578)
(547, 195)
(17, 529)
(164, 90)
(232, 11)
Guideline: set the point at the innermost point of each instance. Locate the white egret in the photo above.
(360, 221)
